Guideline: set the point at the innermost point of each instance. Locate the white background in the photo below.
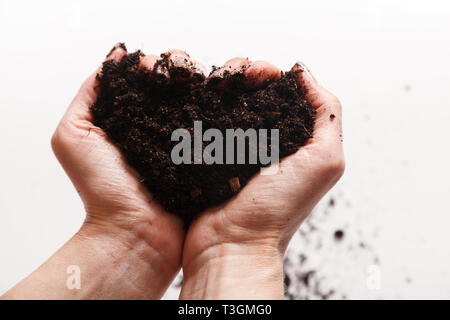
(387, 61)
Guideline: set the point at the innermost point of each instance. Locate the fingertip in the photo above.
(255, 73)
(328, 122)
(315, 94)
(200, 67)
(222, 77)
(232, 66)
(117, 52)
(177, 52)
(89, 90)
(148, 62)
(182, 68)
(237, 63)
(302, 69)
(260, 73)
(178, 57)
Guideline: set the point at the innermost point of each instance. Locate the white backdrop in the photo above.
(388, 62)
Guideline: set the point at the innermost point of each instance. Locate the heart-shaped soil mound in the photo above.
(139, 110)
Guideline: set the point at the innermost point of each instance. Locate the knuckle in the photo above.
(236, 63)
(330, 100)
(56, 140)
(177, 52)
(332, 166)
(336, 168)
(59, 140)
(335, 102)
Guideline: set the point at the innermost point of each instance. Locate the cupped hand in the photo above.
(245, 238)
(117, 204)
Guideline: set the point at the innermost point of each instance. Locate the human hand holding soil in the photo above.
(236, 250)
(128, 247)
(233, 250)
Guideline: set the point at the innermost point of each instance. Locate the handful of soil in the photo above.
(139, 109)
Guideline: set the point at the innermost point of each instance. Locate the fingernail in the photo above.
(303, 68)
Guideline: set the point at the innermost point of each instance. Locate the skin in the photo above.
(130, 248)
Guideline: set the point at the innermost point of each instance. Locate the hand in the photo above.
(128, 246)
(114, 199)
(236, 250)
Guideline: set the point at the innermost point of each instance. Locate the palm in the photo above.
(272, 207)
(266, 207)
(110, 189)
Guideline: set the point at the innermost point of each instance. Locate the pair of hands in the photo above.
(130, 247)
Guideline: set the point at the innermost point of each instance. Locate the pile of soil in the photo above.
(139, 110)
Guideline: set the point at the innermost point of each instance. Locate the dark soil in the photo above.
(139, 111)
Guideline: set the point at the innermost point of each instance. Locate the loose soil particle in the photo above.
(338, 235)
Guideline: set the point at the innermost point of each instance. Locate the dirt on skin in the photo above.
(139, 109)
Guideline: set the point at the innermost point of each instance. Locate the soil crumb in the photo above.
(338, 235)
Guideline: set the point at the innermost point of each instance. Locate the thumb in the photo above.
(87, 94)
(328, 123)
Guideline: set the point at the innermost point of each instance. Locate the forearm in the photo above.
(111, 267)
(234, 272)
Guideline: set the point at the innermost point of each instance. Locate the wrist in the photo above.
(148, 229)
(97, 265)
(234, 271)
(131, 262)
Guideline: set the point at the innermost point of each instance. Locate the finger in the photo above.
(222, 78)
(178, 59)
(260, 73)
(88, 92)
(328, 123)
(231, 67)
(200, 68)
(255, 74)
(117, 52)
(176, 65)
(182, 68)
(148, 62)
